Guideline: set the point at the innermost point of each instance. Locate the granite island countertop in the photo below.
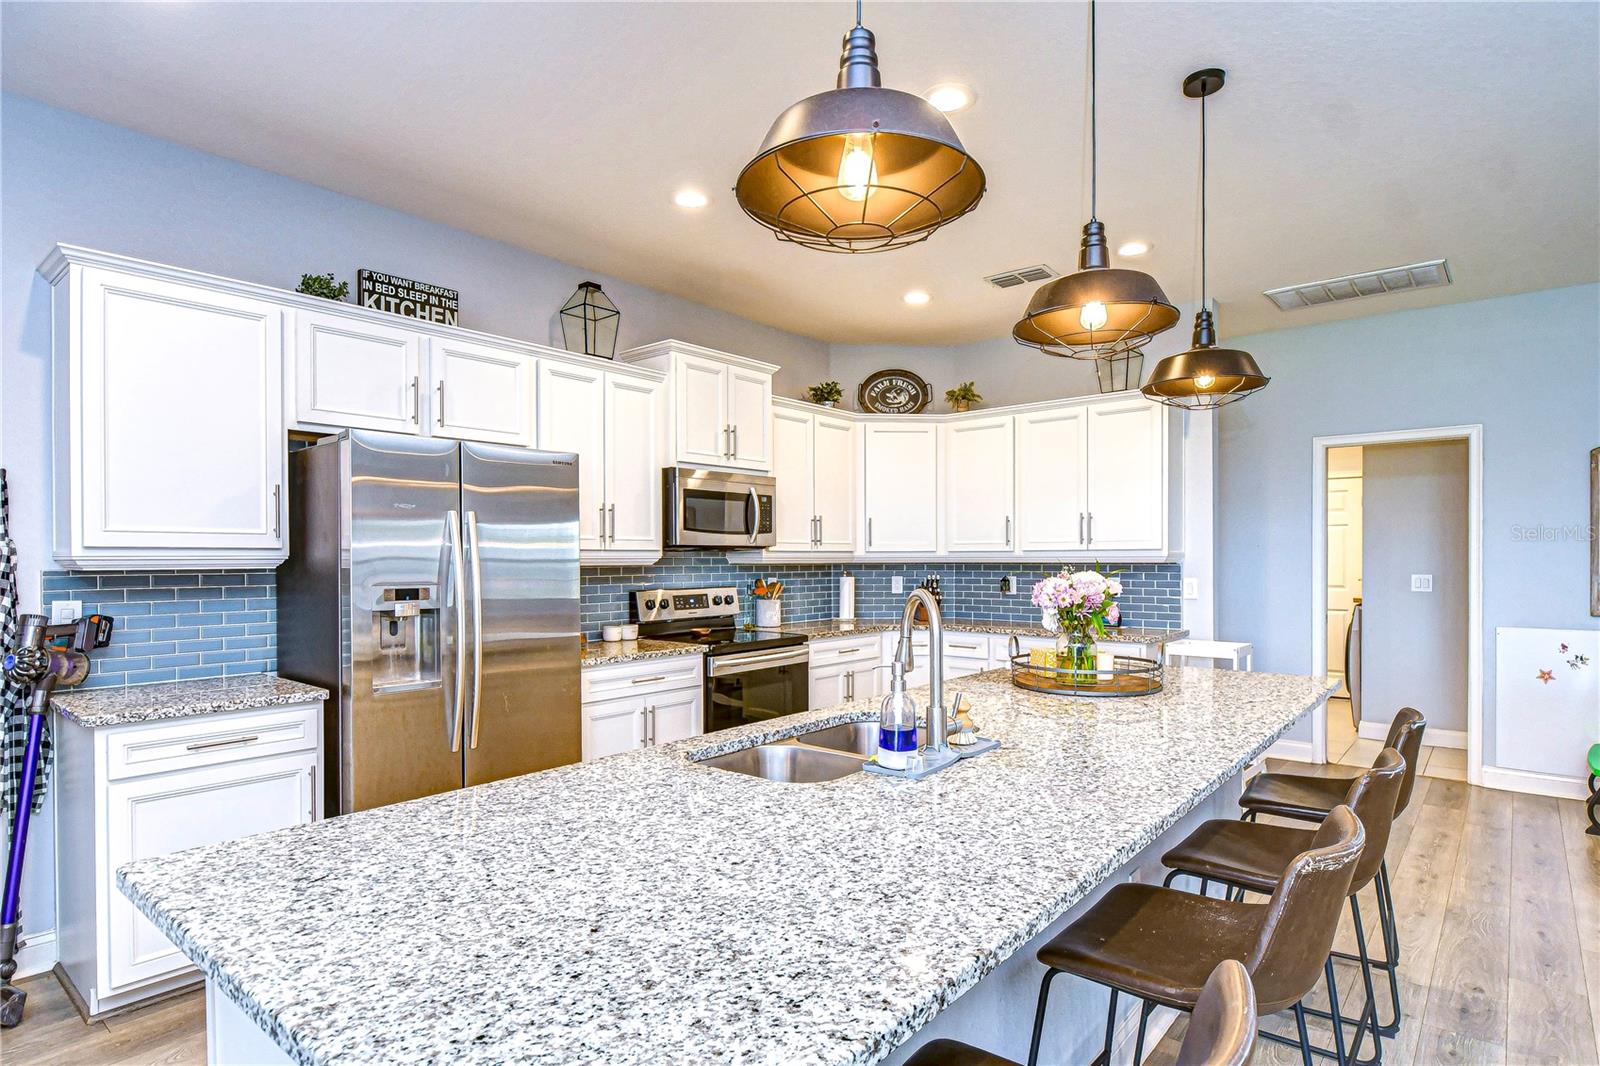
(838, 627)
(97, 707)
(643, 909)
(610, 653)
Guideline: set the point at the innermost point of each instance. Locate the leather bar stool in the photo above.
(1254, 855)
(1160, 945)
(1309, 799)
(1222, 1030)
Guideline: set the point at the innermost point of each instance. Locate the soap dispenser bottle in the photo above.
(897, 722)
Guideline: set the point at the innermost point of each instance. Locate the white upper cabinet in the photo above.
(1052, 454)
(979, 482)
(901, 486)
(481, 392)
(349, 372)
(1127, 475)
(572, 418)
(721, 405)
(795, 521)
(169, 440)
(814, 462)
(633, 465)
(612, 421)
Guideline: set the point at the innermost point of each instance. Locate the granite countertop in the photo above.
(602, 653)
(97, 707)
(836, 627)
(643, 909)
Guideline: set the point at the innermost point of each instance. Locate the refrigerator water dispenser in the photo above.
(406, 619)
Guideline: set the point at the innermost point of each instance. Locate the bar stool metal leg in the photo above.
(1038, 1017)
(1305, 1038)
(1145, 1007)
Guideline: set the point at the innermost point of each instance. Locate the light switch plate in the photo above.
(64, 611)
(897, 584)
(1421, 582)
(1191, 588)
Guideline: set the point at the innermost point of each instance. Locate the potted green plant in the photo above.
(324, 286)
(962, 397)
(827, 394)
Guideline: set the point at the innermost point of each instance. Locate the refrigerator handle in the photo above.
(477, 622)
(452, 526)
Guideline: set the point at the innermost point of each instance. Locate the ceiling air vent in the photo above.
(1021, 276)
(1433, 273)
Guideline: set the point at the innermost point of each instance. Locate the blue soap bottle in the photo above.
(897, 722)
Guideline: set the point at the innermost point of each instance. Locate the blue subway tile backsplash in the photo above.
(177, 625)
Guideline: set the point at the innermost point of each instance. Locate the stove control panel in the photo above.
(672, 605)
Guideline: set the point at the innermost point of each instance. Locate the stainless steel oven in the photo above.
(718, 509)
(755, 686)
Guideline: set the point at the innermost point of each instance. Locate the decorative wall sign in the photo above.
(893, 392)
(413, 299)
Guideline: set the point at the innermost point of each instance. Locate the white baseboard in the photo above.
(1295, 750)
(1536, 784)
(37, 953)
(1433, 738)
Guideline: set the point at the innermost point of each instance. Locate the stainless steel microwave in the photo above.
(718, 509)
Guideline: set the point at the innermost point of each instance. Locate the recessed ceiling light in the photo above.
(690, 198)
(1133, 248)
(950, 96)
(917, 297)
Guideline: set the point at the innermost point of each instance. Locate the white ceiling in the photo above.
(1350, 136)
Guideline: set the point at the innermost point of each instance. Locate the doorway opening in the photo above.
(1397, 593)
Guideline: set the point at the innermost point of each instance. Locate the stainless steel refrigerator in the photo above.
(432, 587)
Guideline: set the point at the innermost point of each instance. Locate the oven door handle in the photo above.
(725, 665)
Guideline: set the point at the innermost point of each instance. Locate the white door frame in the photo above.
(1473, 435)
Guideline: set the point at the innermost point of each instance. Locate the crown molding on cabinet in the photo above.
(667, 347)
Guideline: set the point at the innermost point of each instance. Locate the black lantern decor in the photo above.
(1118, 373)
(589, 322)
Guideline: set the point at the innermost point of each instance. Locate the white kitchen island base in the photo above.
(233, 1037)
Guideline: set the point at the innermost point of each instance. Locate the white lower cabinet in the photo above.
(844, 669)
(636, 705)
(137, 791)
(965, 653)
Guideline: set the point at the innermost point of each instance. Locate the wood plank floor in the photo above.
(1499, 906)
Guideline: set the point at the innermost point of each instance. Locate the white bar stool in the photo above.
(1237, 656)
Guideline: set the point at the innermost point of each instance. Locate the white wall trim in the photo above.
(1295, 750)
(1473, 435)
(1534, 783)
(1434, 738)
(37, 954)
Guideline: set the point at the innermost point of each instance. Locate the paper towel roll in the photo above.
(847, 596)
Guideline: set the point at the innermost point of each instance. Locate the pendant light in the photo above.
(1205, 376)
(1100, 311)
(859, 168)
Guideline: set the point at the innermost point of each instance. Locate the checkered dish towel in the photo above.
(14, 697)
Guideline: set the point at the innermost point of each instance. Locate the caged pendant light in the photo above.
(1100, 311)
(859, 168)
(1205, 376)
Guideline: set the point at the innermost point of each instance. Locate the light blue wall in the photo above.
(1526, 367)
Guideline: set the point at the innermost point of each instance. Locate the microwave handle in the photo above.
(755, 515)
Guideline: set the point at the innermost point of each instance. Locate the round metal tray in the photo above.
(1129, 676)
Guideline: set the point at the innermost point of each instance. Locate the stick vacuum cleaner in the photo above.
(39, 662)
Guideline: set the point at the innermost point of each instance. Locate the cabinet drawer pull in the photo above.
(230, 742)
(647, 680)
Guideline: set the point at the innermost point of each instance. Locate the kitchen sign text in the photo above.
(413, 299)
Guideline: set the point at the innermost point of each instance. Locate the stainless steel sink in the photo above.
(858, 738)
(787, 762)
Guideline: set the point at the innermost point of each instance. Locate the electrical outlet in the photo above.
(1421, 582)
(897, 584)
(1191, 588)
(64, 611)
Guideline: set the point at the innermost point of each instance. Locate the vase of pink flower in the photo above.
(1077, 605)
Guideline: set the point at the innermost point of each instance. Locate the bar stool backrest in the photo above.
(1405, 736)
(1373, 796)
(1297, 932)
(1222, 1029)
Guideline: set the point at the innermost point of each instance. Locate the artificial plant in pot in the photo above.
(962, 397)
(324, 286)
(827, 394)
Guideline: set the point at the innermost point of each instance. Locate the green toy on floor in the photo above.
(1594, 792)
